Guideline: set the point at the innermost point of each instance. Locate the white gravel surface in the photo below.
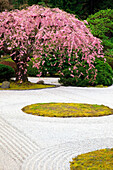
(30, 142)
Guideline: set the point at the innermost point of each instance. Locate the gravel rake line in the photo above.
(30, 145)
(56, 158)
(62, 158)
(11, 150)
(18, 146)
(30, 162)
(15, 142)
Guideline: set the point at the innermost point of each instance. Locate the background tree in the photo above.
(81, 8)
(4, 4)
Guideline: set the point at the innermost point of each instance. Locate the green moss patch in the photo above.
(67, 110)
(26, 86)
(97, 160)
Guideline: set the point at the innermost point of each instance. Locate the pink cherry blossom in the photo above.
(41, 31)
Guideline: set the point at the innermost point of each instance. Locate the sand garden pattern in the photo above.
(44, 143)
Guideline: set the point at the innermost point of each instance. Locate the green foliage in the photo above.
(1, 53)
(81, 8)
(47, 69)
(109, 57)
(103, 4)
(101, 25)
(51, 64)
(68, 80)
(31, 2)
(104, 75)
(6, 72)
(9, 62)
(110, 61)
(5, 57)
(32, 71)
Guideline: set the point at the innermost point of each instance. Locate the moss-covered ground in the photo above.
(96, 160)
(67, 110)
(25, 86)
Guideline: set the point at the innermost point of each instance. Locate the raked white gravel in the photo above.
(30, 142)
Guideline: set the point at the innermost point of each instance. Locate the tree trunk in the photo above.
(23, 75)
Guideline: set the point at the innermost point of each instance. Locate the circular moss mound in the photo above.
(67, 110)
(98, 160)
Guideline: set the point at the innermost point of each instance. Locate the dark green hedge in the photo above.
(104, 76)
(6, 72)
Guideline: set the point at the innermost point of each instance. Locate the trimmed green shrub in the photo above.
(6, 72)
(9, 63)
(110, 61)
(109, 57)
(104, 75)
(101, 25)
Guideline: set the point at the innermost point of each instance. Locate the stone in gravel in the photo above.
(5, 84)
(40, 82)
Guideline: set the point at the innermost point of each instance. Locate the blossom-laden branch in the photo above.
(45, 32)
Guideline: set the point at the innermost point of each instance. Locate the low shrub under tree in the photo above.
(81, 77)
(6, 72)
